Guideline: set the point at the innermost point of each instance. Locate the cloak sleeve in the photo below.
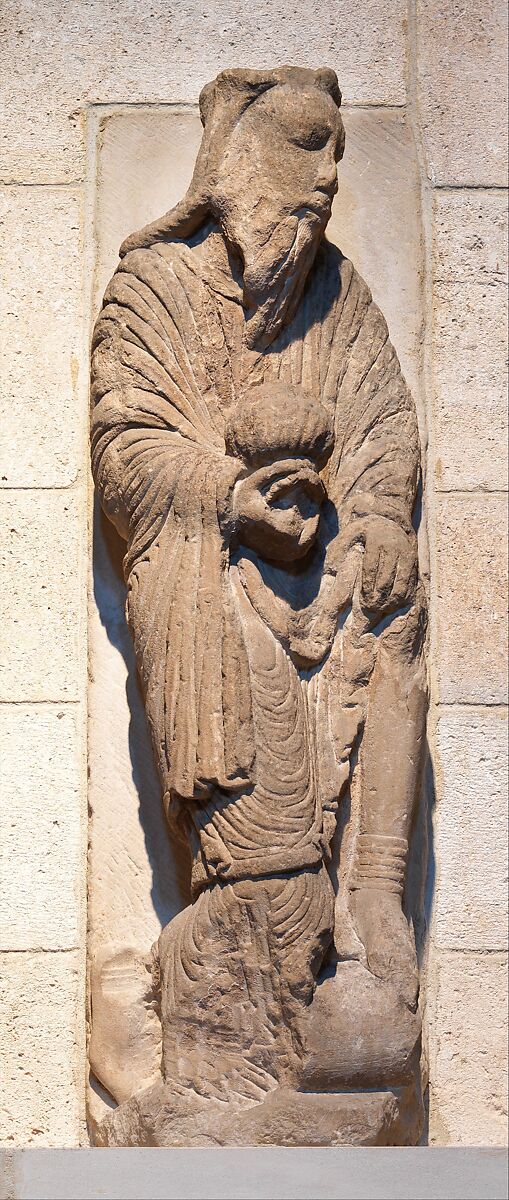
(375, 465)
(160, 467)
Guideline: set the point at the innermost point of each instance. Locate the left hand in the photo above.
(389, 563)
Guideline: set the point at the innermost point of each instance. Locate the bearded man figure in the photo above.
(256, 445)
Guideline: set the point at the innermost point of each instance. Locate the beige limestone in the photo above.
(42, 1005)
(84, 54)
(133, 883)
(470, 650)
(470, 236)
(461, 66)
(378, 202)
(470, 340)
(62, 56)
(145, 162)
(41, 408)
(471, 830)
(468, 1059)
(41, 863)
(256, 446)
(42, 623)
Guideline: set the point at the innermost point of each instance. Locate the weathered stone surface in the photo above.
(343, 1049)
(42, 845)
(461, 62)
(153, 151)
(470, 340)
(41, 412)
(60, 58)
(470, 830)
(470, 237)
(256, 446)
(82, 55)
(42, 618)
(468, 1061)
(378, 202)
(145, 162)
(470, 649)
(42, 1003)
(283, 1118)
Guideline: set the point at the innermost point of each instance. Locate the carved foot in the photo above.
(156, 1117)
(125, 1042)
(389, 943)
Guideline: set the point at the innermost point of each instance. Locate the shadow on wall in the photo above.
(167, 884)
(168, 860)
(420, 892)
(110, 597)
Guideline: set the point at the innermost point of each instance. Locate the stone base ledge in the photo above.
(255, 1173)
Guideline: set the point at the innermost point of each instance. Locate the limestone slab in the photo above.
(471, 830)
(82, 54)
(461, 65)
(43, 1034)
(470, 623)
(41, 606)
(470, 340)
(237, 352)
(470, 236)
(145, 163)
(41, 852)
(468, 1064)
(42, 417)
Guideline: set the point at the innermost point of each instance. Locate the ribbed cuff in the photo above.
(380, 863)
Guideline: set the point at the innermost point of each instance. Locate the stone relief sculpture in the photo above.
(255, 444)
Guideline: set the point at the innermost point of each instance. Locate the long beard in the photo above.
(277, 255)
(275, 272)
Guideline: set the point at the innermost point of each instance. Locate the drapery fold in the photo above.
(164, 479)
(169, 355)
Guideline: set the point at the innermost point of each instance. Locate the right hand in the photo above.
(276, 509)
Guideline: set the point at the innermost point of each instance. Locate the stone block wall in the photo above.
(442, 65)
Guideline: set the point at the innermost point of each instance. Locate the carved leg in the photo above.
(390, 764)
(236, 969)
(125, 1042)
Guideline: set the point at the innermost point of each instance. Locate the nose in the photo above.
(327, 179)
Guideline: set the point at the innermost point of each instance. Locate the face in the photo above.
(276, 184)
(305, 133)
(286, 144)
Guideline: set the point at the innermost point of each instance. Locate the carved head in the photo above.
(266, 171)
(278, 138)
(284, 436)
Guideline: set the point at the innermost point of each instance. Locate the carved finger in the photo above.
(281, 485)
(353, 534)
(405, 582)
(386, 574)
(370, 566)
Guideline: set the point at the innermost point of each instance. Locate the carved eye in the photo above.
(313, 138)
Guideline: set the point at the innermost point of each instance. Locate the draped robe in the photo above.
(169, 360)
